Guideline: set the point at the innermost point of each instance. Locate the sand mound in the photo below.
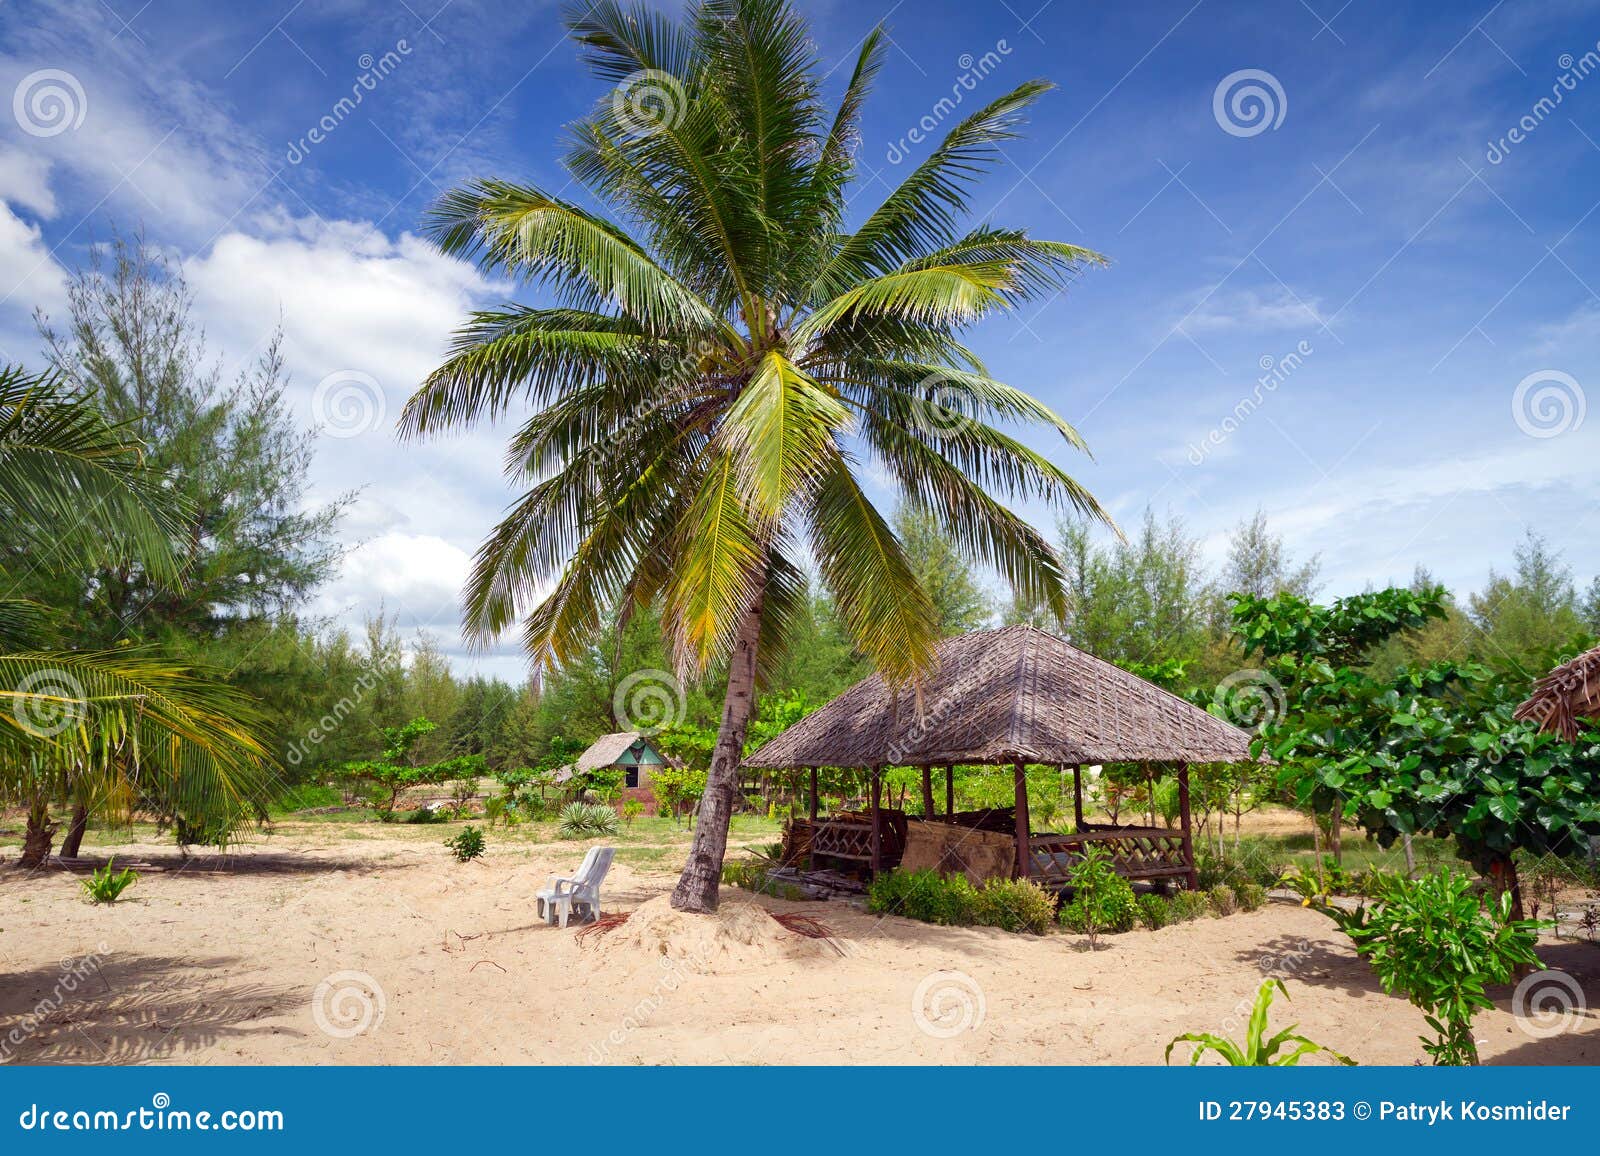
(739, 934)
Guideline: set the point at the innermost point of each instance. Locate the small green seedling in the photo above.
(106, 884)
(1258, 1050)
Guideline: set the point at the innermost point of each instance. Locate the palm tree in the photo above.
(119, 728)
(706, 381)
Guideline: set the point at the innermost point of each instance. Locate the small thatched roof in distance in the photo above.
(1569, 692)
(1001, 695)
(605, 751)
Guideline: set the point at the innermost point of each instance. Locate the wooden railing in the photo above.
(1136, 853)
(849, 837)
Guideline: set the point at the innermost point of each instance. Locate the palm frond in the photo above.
(75, 487)
(880, 599)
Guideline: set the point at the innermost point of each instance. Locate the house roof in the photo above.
(605, 751)
(1001, 695)
(1569, 692)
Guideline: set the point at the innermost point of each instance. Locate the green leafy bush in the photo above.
(1251, 896)
(631, 810)
(107, 883)
(926, 895)
(1222, 900)
(1440, 943)
(466, 845)
(1258, 1049)
(1188, 905)
(1101, 900)
(427, 815)
(1015, 905)
(587, 820)
(1155, 912)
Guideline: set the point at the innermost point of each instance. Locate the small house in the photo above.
(631, 752)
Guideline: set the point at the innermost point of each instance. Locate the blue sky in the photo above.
(1417, 287)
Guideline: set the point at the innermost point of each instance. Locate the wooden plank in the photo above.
(927, 791)
(949, 789)
(1020, 785)
(876, 857)
(1188, 833)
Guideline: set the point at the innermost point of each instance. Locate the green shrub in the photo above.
(1188, 905)
(1251, 896)
(1154, 911)
(467, 845)
(926, 895)
(427, 815)
(1015, 905)
(1101, 900)
(1222, 900)
(1442, 944)
(587, 820)
(106, 884)
(631, 810)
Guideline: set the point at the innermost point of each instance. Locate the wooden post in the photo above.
(1077, 796)
(949, 789)
(927, 791)
(877, 820)
(1188, 835)
(813, 794)
(1020, 780)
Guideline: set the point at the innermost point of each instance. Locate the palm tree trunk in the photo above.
(697, 886)
(75, 830)
(40, 834)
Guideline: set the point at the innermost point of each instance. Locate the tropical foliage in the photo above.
(1441, 944)
(117, 729)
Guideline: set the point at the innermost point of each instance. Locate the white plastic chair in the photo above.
(560, 894)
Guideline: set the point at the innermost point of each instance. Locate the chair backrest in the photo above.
(595, 865)
(582, 874)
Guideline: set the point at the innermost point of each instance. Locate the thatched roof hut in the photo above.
(1009, 697)
(1569, 692)
(998, 696)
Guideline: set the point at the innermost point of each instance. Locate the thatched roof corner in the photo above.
(1569, 692)
(1001, 695)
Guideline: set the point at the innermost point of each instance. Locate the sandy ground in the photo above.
(387, 951)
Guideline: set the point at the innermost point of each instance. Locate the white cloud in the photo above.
(1249, 310)
(29, 277)
(25, 181)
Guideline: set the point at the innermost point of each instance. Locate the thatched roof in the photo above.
(605, 751)
(1569, 692)
(1001, 695)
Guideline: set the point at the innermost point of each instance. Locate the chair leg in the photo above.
(565, 909)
